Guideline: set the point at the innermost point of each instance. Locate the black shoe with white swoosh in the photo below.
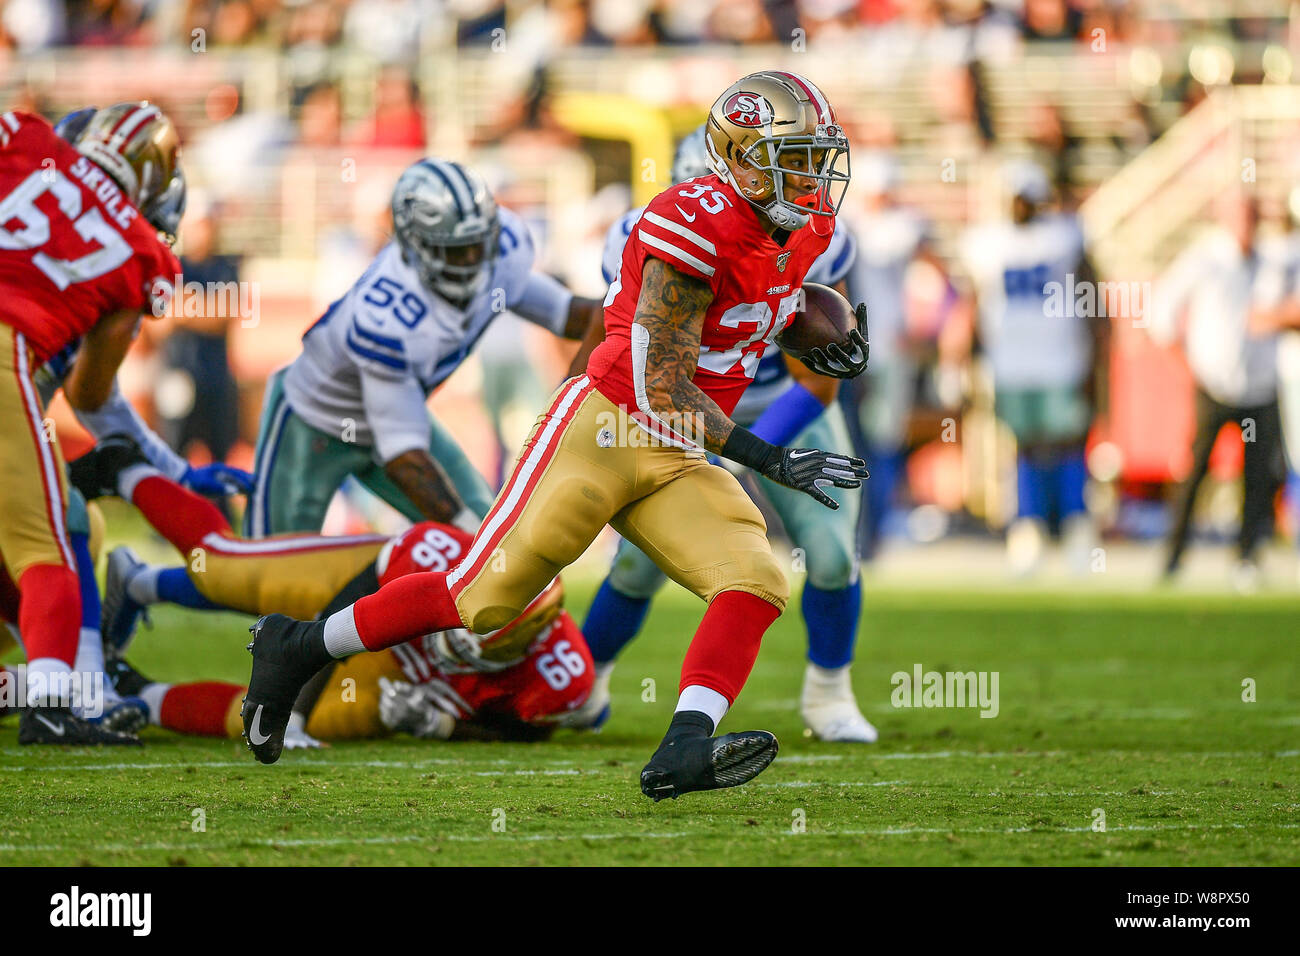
(58, 725)
(286, 654)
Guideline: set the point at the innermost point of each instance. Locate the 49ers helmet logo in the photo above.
(747, 109)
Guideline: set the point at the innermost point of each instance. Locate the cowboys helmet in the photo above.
(692, 157)
(774, 124)
(446, 224)
(139, 148)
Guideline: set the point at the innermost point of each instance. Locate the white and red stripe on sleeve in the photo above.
(666, 236)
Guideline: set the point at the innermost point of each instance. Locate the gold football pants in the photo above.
(587, 464)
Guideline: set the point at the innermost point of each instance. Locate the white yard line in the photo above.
(571, 768)
(202, 844)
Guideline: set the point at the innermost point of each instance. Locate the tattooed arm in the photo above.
(671, 312)
(427, 485)
(670, 315)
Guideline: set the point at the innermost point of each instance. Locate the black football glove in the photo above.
(847, 360)
(809, 470)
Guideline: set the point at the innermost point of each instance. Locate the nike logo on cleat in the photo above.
(57, 729)
(255, 735)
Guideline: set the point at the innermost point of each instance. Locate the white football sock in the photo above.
(704, 699)
(152, 695)
(142, 586)
(132, 475)
(827, 678)
(49, 682)
(341, 637)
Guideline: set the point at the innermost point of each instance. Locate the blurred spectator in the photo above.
(527, 121)
(196, 396)
(477, 20)
(1047, 351)
(622, 22)
(320, 121)
(313, 24)
(1054, 20)
(31, 25)
(104, 22)
(234, 23)
(741, 21)
(397, 118)
(1235, 304)
(1057, 149)
(392, 31)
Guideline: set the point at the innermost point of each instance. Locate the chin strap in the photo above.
(784, 217)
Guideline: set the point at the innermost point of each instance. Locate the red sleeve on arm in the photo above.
(681, 234)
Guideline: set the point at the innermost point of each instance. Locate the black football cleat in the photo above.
(286, 654)
(95, 473)
(59, 726)
(707, 763)
(126, 680)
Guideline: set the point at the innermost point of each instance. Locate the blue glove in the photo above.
(217, 480)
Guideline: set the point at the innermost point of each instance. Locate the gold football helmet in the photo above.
(139, 148)
(774, 124)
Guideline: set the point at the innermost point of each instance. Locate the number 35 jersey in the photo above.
(72, 247)
(703, 228)
(389, 331)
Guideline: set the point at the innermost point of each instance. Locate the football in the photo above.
(825, 317)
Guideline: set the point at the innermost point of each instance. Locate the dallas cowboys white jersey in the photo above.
(388, 331)
(772, 376)
(1031, 329)
(888, 242)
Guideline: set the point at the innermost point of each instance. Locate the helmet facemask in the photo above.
(164, 210)
(822, 158)
(456, 272)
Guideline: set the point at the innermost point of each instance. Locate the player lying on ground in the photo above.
(711, 277)
(518, 682)
(786, 403)
(354, 402)
(81, 256)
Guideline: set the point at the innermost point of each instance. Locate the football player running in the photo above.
(711, 276)
(353, 403)
(81, 256)
(785, 403)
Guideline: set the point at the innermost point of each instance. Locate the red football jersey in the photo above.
(72, 247)
(555, 675)
(704, 228)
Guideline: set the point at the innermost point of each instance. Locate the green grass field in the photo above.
(1129, 705)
